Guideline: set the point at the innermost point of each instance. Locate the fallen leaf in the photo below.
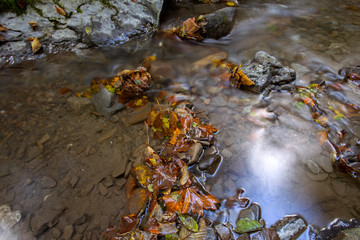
(2, 28)
(33, 25)
(308, 100)
(231, 4)
(2, 38)
(138, 200)
(60, 11)
(190, 200)
(127, 223)
(322, 136)
(88, 30)
(188, 222)
(245, 225)
(174, 137)
(35, 44)
(21, 4)
(165, 175)
(65, 90)
(142, 173)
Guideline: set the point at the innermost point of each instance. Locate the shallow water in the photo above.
(270, 148)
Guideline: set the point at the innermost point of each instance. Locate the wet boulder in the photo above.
(268, 74)
(106, 103)
(345, 71)
(339, 229)
(220, 22)
(80, 24)
(290, 227)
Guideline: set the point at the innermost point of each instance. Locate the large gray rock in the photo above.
(290, 227)
(90, 22)
(268, 74)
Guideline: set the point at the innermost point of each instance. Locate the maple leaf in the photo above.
(190, 200)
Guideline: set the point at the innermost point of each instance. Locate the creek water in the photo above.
(271, 146)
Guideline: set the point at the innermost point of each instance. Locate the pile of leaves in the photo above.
(233, 74)
(165, 199)
(192, 29)
(347, 157)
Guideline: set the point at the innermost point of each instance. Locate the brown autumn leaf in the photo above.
(2, 28)
(21, 4)
(309, 100)
(164, 176)
(190, 26)
(138, 200)
(322, 136)
(190, 200)
(35, 44)
(33, 25)
(127, 223)
(65, 90)
(2, 38)
(60, 11)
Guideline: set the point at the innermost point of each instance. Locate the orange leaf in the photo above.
(322, 136)
(2, 28)
(65, 90)
(174, 137)
(33, 25)
(190, 200)
(309, 100)
(35, 44)
(60, 11)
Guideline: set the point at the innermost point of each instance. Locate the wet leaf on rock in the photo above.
(192, 29)
(142, 173)
(127, 224)
(245, 225)
(35, 44)
(138, 200)
(238, 78)
(199, 235)
(60, 11)
(33, 25)
(171, 236)
(188, 222)
(191, 200)
(65, 90)
(2, 28)
(165, 175)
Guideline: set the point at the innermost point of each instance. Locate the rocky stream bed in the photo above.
(287, 151)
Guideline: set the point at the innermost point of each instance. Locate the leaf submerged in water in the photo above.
(188, 222)
(245, 225)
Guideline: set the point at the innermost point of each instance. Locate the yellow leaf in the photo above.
(35, 45)
(88, 30)
(231, 4)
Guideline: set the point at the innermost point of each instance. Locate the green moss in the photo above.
(14, 5)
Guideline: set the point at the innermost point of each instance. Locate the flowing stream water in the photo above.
(270, 146)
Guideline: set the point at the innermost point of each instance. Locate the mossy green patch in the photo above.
(16, 6)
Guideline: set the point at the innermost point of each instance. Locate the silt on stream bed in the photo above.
(272, 147)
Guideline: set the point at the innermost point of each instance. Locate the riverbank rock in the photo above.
(339, 229)
(268, 74)
(290, 227)
(85, 23)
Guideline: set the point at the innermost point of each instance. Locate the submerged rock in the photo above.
(268, 74)
(106, 103)
(339, 229)
(90, 23)
(290, 227)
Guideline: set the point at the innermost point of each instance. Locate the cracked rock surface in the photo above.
(86, 23)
